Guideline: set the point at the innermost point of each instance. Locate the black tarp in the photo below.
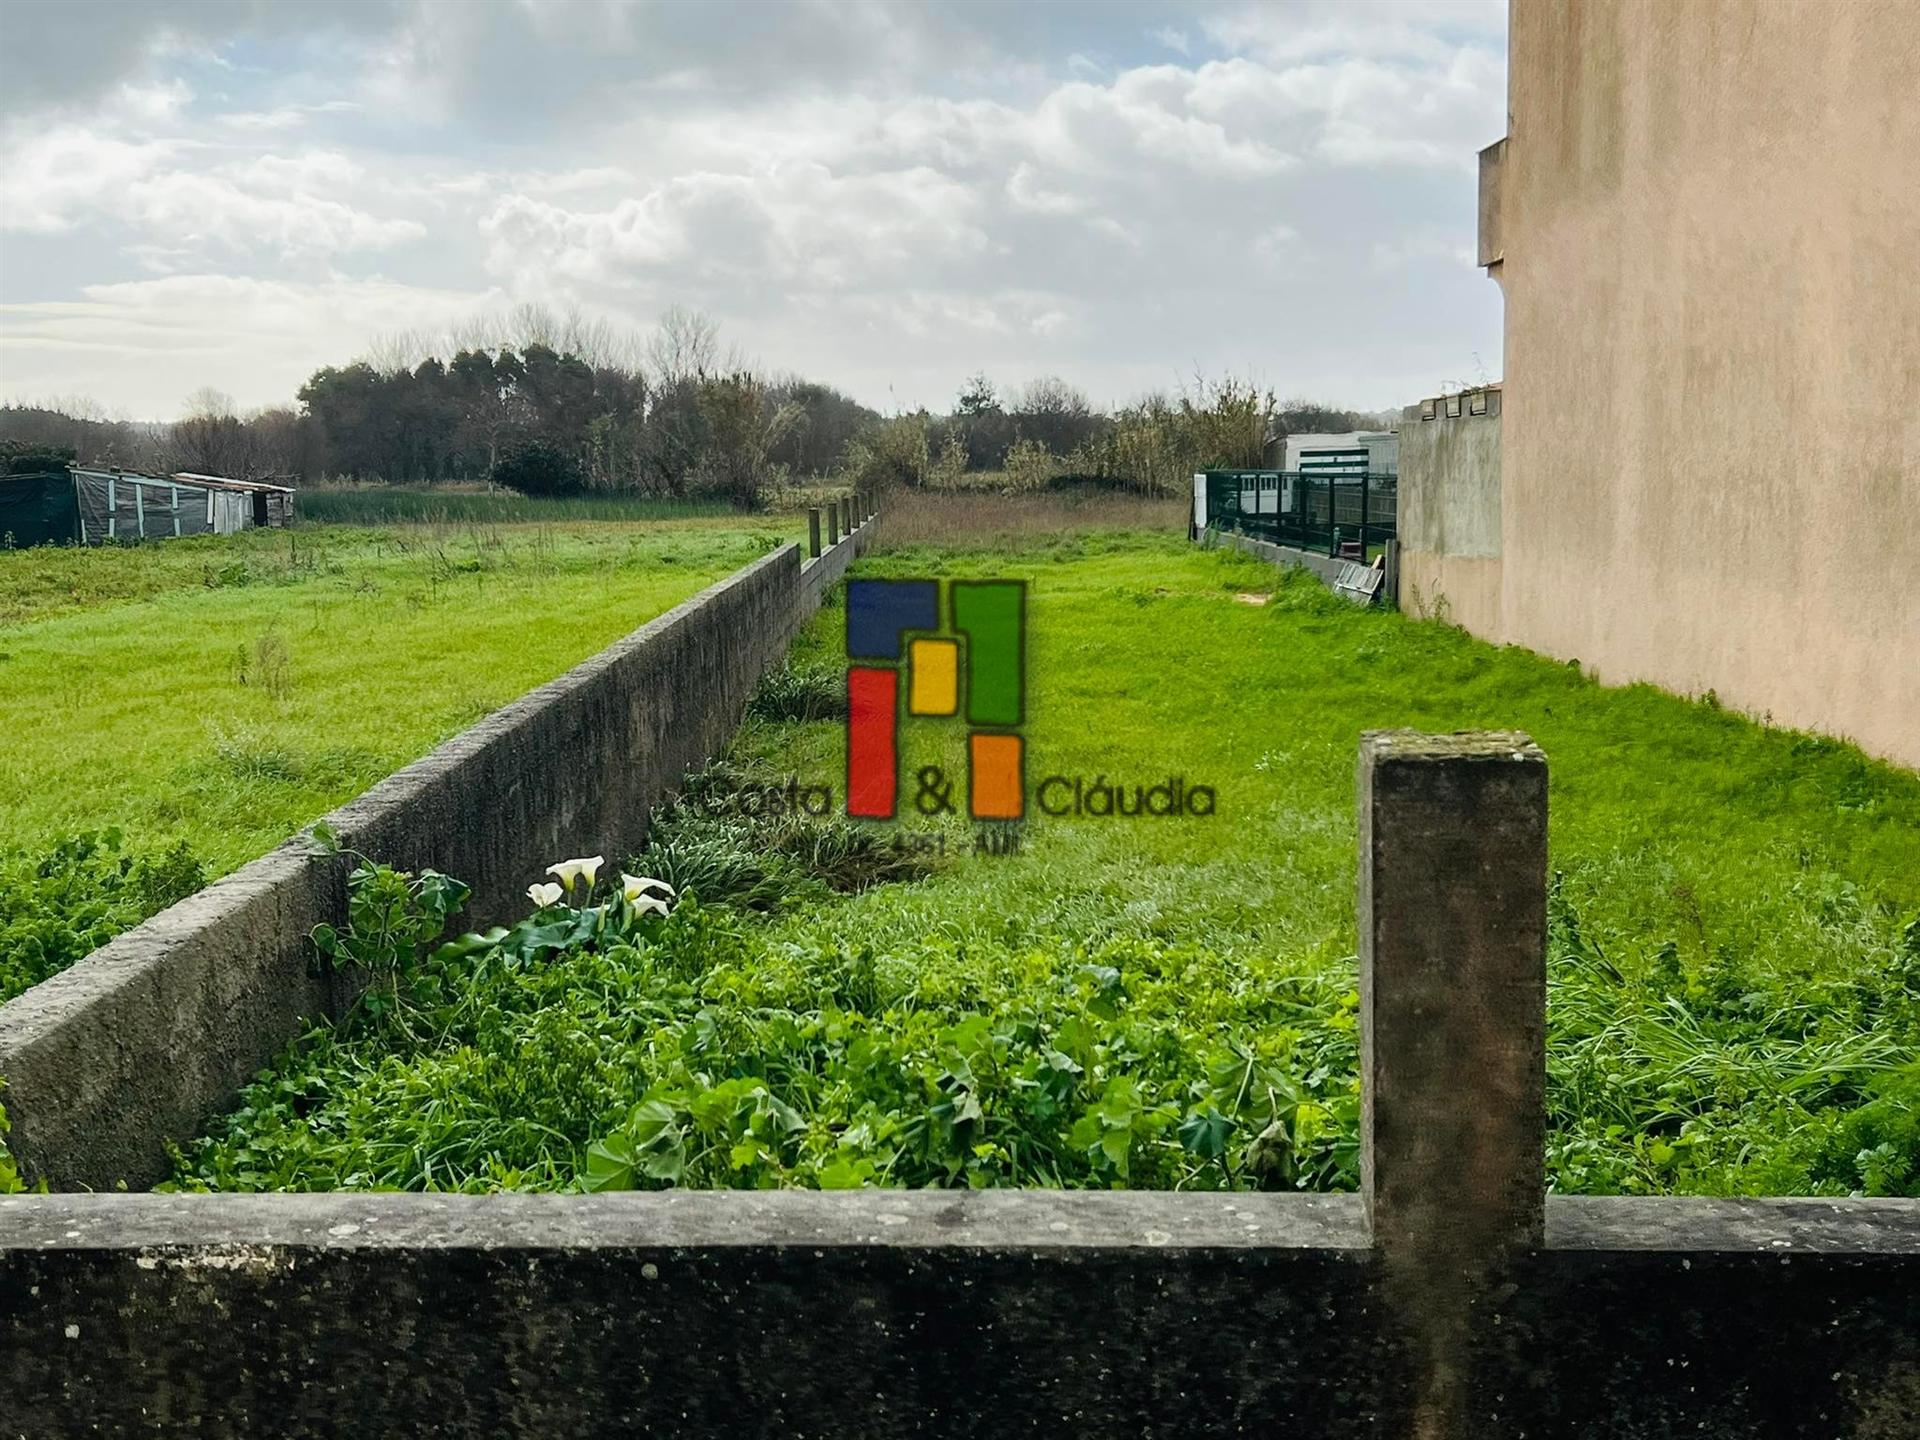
(38, 510)
(119, 506)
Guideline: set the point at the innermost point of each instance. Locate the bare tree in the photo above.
(686, 346)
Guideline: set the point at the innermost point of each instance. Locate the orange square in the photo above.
(996, 783)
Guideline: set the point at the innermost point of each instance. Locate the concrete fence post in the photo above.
(1453, 921)
(813, 532)
(833, 526)
(846, 514)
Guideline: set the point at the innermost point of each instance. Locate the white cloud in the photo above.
(888, 197)
(791, 223)
(193, 212)
(1174, 38)
(145, 345)
(51, 182)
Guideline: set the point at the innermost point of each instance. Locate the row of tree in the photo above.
(552, 406)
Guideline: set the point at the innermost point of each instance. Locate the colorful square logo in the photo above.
(904, 663)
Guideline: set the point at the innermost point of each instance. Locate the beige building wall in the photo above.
(1706, 222)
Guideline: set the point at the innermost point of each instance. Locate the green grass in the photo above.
(221, 692)
(402, 504)
(1735, 967)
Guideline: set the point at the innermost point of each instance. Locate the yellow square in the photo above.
(934, 688)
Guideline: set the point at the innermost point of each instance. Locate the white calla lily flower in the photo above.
(635, 886)
(545, 895)
(650, 902)
(568, 871)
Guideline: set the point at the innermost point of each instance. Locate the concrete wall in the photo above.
(1708, 218)
(1287, 557)
(883, 1314)
(1449, 514)
(147, 1038)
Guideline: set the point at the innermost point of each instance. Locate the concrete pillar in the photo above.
(833, 525)
(846, 514)
(813, 532)
(1453, 984)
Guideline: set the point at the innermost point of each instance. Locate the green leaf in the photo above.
(669, 1164)
(844, 1173)
(610, 1164)
(1206, 1132)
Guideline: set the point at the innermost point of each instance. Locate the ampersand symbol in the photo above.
(936, 792)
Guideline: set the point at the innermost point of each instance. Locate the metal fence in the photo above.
(1344, 515)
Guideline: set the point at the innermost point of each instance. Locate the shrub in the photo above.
(1156, 446)
(892, 454)
(538, 468)
(1031, 466)
(801, 692)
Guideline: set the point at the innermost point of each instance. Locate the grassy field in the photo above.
(1735, 963)
(171, 710)
(440, 505)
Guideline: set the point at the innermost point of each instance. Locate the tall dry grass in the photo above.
(976, 518)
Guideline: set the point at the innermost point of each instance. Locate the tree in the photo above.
(685, 346)
(742, 429)
(977, 397)
(1054, 413)
(209, 438)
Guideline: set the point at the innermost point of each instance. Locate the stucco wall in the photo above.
(1709, 220)
(1450, 518)
(145, 1039)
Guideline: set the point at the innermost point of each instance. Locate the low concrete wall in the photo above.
(914, 1313)
(147, 1038)
(1285, 555)
(1450, 555)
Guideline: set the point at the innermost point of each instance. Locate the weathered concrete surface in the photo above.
(1708, 219)
(144, 1040)
(1453, 998)
(1453, 989)
(918, 1313)
(1450, 516)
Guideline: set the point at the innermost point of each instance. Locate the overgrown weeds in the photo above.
(65, 902)
(742, 837)
(1734, 962)
(804, 691)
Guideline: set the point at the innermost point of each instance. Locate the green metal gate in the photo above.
(1342, 512)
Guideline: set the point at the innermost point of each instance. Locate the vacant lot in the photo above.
(1163, 1002)
(172, 710)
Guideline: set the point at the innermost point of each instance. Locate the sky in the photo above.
(887, 197)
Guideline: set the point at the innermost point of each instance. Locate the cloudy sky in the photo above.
(886, 196)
